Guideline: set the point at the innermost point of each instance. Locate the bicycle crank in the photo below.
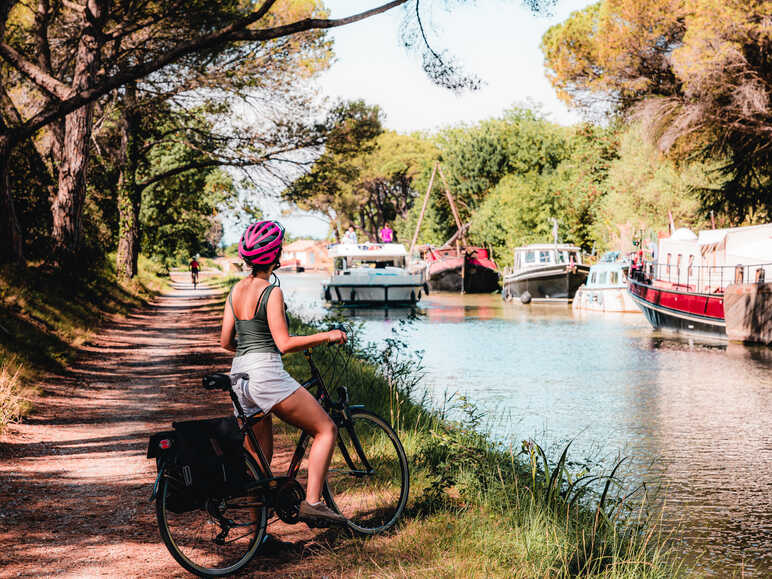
(287, 500)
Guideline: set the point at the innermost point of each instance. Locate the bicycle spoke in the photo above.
(368, 477)
(200, 539)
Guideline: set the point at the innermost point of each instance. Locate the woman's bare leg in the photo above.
(303, 411)
(264, 433)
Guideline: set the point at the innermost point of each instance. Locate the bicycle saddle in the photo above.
(222, 381)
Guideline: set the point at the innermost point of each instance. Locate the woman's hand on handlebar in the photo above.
(336, 337)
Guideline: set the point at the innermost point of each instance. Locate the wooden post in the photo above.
(452, 204)
(423, 209)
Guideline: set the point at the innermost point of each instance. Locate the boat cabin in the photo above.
(367, 255)
(707, 262)
(537, 256)
(609, 272)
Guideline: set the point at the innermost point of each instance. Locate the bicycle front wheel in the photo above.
(211, 537)
(368, 481)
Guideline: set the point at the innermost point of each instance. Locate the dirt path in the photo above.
(74, 480)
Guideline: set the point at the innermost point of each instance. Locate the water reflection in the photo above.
(691, 414)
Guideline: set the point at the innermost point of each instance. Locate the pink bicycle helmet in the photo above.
(261, 243)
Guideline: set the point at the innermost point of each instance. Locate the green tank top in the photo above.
(254, 335)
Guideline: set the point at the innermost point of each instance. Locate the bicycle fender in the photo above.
(157, 483)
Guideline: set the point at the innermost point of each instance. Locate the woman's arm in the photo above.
(228, 333)
(280, 332)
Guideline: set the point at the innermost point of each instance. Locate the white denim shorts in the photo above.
(269, 383)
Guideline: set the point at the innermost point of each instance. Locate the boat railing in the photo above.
(706, 279)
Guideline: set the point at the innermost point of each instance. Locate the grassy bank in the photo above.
(44, 317)
(479, 508)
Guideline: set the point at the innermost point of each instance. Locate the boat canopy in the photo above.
(368, 250)
(607, 274)
(546, 254)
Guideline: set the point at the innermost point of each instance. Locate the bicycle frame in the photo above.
(341, 414)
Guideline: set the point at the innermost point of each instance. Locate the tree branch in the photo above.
(234, 32)
(36, 74)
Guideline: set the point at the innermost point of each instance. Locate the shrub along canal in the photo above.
(695, 418)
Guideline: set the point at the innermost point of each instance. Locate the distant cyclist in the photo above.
(195, 267)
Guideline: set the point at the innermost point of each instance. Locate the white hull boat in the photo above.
(606, 288)
(372, 274)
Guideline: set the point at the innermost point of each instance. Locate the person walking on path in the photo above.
(386, 234)
(350, 237)
(255, 314)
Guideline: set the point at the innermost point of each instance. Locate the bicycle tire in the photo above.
(201, 544)
(373, 501)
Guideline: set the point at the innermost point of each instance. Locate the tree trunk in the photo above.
(11, 241)
(129, 193)
(67, 205)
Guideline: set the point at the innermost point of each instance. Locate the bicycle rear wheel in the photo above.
(368, 481)
(217, 537)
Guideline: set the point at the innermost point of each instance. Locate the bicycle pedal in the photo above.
(322, 523)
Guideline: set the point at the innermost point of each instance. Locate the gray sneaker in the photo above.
(319, 515)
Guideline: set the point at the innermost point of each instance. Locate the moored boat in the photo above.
(606, 287)
(544, 273)
(371, 274)
(684, 292)
(468, 269)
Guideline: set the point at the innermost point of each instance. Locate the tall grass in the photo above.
(13, 405)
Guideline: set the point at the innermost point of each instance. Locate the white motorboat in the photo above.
(372, 274)
(606, 287)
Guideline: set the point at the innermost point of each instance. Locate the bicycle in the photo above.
(368, 483)
(194, 278)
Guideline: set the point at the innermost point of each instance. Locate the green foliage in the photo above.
(517, 212)
(178, 214)
(696, 73)
(365, 177)
(519, 208)
(643, 186)
(476, 158)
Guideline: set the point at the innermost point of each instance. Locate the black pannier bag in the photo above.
(164, 448)
(210, 456)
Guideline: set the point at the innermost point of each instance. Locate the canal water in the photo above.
(694, 417)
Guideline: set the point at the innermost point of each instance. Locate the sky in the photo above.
(494, 39)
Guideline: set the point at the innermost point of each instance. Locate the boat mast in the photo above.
(452, 205)
(423, 210)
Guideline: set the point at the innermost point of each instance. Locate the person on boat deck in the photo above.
(386, 234)
(652, 247)
(350, 237)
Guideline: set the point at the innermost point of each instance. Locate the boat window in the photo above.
(517, 260)
(544, 257)
(613, 278)
(562, 257)
(691, 265)
(602, 278)
(530, 257)
(593, 277)
(340, 263)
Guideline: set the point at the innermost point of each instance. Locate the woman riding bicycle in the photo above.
(256, 314)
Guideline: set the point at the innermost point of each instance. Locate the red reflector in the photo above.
(165, 444)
